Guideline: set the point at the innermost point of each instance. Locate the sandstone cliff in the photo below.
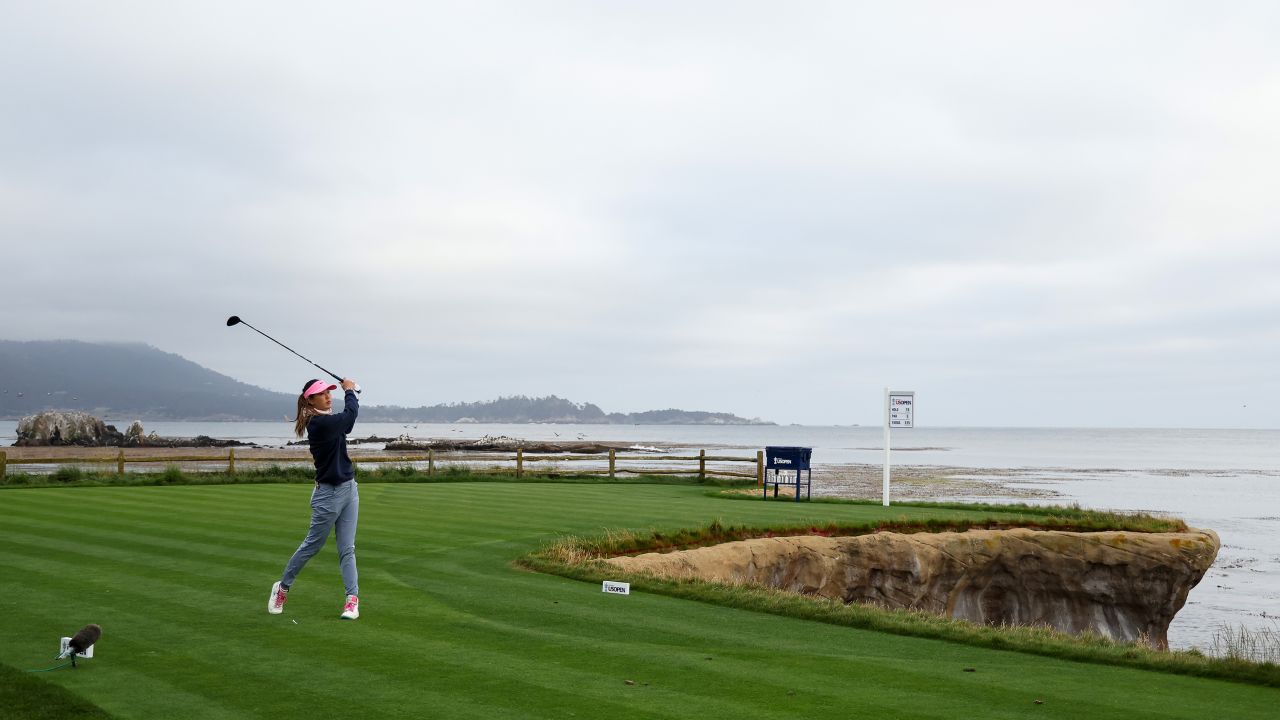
(1123, 585)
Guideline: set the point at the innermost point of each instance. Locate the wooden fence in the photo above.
(652, 464)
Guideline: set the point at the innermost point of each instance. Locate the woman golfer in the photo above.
(335, 502)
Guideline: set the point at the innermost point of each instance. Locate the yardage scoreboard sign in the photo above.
(902, 407)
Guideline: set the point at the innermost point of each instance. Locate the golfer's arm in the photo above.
(349, 413)
(340, 424)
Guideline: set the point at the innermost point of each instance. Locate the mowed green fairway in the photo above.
(178, 578)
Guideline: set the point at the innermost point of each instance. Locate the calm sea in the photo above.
(1224, 480)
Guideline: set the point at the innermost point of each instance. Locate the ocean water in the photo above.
(1224, 480)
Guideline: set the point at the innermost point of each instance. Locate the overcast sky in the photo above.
(1028, 214)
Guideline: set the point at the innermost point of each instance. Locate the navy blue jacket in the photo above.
(327, 436)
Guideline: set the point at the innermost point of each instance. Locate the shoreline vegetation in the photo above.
(70, 476)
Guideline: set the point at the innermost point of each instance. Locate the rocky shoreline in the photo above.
(77, 429)
(81, 430)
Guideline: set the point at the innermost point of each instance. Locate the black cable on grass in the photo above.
(51, 669)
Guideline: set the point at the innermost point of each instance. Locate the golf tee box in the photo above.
(64, 649)
(616, 588)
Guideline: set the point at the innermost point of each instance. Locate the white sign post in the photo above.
(899, 412)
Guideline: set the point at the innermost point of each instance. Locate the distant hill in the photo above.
(136, 381)
(552, 409)
(124, 380)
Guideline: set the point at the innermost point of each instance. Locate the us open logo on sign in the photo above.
(616, 588)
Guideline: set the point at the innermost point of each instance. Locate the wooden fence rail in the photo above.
(652, 464)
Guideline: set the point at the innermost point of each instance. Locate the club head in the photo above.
(233, 320)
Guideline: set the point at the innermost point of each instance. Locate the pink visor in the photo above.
(318, 387)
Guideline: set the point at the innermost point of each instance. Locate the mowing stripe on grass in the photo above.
(23, 695)
(450, 628)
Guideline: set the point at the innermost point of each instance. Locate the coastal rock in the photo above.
(1123, 585)
(199, 441)
(508, 444)
(135, 435)
(66, 427)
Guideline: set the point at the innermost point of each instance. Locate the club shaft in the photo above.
(295, 352)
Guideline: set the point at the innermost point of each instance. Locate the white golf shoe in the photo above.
(351, 610)
(275, 603)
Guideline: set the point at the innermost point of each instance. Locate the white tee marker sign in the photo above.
(899, 412)
(901, 407)
(616, 588)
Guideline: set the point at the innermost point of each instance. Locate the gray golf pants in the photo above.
(332, 506)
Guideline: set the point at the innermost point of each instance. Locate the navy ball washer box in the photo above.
(786, 459)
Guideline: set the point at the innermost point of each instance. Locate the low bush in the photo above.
(67, 474)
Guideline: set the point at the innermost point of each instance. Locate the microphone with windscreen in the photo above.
(81, 644)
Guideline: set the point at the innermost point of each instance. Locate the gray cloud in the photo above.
(1024, 213)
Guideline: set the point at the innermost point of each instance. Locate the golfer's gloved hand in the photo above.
(349, 384)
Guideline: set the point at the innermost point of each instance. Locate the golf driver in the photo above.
(235, 320)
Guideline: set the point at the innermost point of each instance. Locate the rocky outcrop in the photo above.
(503, 443)
(199, 441)
(135, 434)
(1124, 585)
(66, 427)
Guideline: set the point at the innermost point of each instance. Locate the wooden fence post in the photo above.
(519, 462)
(759, 468)
(120, 463)
(431, 462)
(612, 458)
(231, 461)
(4, 460)
(702, 464)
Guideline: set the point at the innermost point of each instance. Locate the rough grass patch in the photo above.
(1261, 645)
(67, 474)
